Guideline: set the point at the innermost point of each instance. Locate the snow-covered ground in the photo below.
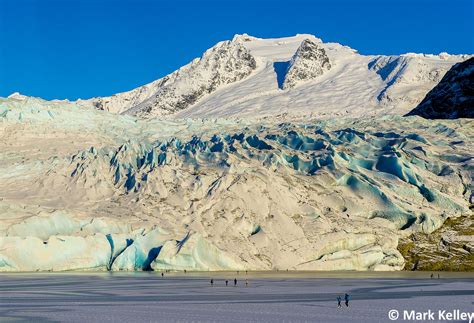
(177, 298)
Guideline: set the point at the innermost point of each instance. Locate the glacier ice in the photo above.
(84, 189)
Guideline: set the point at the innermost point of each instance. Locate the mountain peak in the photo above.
(224, 63)
(309, 62)
(243, 38)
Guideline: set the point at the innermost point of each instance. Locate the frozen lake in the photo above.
(269, 297)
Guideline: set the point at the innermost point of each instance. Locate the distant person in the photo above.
(339, 299)
(235, 281)
(246, 283)
(347, 298)
(227, 283)
(212, 282)
(162, 274)
(431, 276)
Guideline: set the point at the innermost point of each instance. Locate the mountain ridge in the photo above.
(408, 78)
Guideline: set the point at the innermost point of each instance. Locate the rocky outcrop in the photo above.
(453, 97)
(225, 63)
(309, 62)
(450, 248)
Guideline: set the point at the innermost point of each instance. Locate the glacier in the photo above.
(86, 189)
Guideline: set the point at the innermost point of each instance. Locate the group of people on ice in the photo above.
(227, 282)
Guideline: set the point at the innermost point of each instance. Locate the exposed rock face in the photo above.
(450, 248)
(453, 97)
(309, 62)
(225, 63)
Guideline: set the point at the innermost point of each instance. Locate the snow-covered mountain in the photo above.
(249, 76)
(453, 97)
(225, 63)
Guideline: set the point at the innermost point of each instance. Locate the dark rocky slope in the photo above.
(453, 97)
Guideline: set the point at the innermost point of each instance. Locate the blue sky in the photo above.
(84, 48)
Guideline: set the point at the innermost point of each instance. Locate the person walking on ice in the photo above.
(339, 299)
(235, 282)
(346, 298)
